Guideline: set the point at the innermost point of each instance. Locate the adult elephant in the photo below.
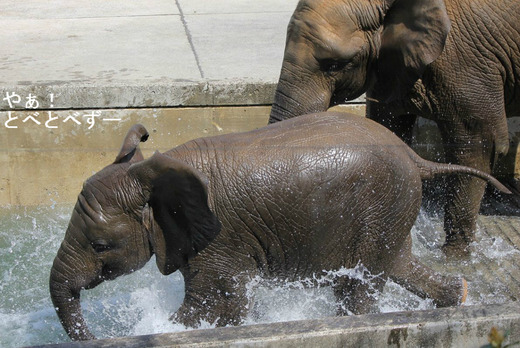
(287, 201)
(404, 55)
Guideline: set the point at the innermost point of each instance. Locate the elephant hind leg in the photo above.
(445, 291)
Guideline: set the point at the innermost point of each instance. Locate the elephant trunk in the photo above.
(67, 305)
(294, 99)
(67, 279)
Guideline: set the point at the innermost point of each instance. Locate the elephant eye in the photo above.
(100, 246)
(331, 66)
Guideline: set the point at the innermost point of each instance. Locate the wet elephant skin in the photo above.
(287, 201)
(456, 62)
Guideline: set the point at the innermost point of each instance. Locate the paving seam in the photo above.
(514, 237)
(491, 274)
(190, 39)
(507, 265)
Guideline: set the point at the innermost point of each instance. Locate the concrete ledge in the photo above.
(448, 327)
(164, 93)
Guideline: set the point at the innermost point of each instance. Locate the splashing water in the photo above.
(28, 241)
(142, 302)
(302, 299)
(485, 270)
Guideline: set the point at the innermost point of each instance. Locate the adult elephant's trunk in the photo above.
(67, 279)
(293, 99)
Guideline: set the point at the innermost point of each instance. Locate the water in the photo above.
(141, 303)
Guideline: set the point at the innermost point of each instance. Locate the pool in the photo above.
(142, 302)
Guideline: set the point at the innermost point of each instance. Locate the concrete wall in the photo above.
(40, 165)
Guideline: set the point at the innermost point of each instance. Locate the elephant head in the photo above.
(338, 49)
(127, 212)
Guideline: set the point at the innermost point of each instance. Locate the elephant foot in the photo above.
(186, 319)
(457, 251)
(223, 314)
(463, 292)
(456, 294)
(457, 246)
(193, 316)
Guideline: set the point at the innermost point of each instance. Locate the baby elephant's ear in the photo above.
(129, 151)
(179, 221)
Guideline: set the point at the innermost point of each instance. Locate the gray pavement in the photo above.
(116, 53)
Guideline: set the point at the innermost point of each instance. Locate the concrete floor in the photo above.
(108, 54)
(493, 270)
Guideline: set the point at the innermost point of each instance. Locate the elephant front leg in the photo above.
(217, 309)
(475, 135)
(357, 296)
(217, 299)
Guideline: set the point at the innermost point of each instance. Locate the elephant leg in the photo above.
(474, 148)
(357, 296)
(421, 280)
(217, 298)
(460, 214)
(474, 131)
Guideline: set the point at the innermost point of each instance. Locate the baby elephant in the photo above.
(288, 201)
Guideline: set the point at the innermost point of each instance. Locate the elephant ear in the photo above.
(177, 217)
(129, 150)
(413, 36)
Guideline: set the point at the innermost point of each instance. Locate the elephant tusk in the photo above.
(372, 99)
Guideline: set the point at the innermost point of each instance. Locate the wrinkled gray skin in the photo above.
(456, 62)
(290, 200)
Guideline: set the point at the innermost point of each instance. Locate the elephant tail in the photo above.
(431, 169)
